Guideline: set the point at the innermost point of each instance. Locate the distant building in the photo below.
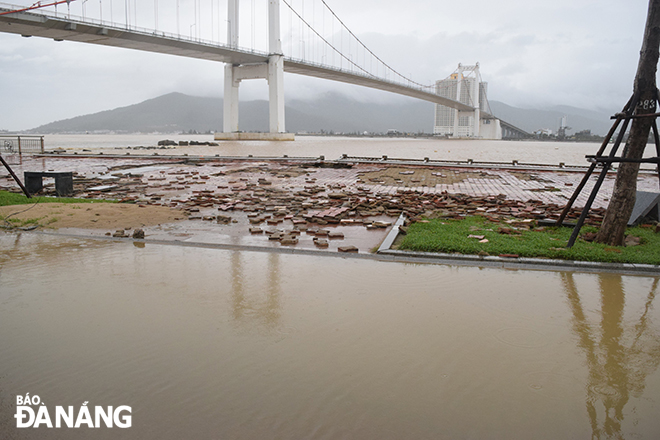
(465, 85)
(543, 133)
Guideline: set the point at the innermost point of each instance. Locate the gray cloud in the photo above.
(582, 53)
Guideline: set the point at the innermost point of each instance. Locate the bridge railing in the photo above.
(357, 73)
(393, 78)
(121, 26)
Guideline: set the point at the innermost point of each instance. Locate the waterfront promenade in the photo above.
(318, 204)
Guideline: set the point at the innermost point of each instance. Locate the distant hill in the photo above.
(176, 112)
(531, 120)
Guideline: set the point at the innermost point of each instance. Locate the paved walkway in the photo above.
(289, 194)
(182, 179)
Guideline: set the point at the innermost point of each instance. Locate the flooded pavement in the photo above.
(307, 203)
(215, 344)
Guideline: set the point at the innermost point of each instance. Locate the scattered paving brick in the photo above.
(304, 196)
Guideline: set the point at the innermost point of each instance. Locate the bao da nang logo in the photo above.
(31, 412)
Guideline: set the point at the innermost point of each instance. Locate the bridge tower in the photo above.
(273, 71)
(465, 86)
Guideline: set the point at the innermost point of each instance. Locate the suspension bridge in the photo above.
(295, 36)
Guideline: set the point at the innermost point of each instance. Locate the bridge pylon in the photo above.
(272, 71)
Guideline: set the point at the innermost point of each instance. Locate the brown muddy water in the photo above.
(549, 153)
(214, 344)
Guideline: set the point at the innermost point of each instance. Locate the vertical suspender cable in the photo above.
(253, 19)
(303, 40)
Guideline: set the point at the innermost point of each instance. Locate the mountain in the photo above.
(167, 113)
(332, 112)
(176, 112)
(531, 120)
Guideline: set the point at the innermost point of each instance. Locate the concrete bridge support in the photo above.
(272, 71)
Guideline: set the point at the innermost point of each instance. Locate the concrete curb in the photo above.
(392, 235)
(396, 256)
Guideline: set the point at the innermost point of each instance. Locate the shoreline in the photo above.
(311, 204)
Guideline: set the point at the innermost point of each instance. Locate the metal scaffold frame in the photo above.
(625, 116)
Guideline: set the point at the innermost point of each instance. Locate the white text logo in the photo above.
(31, 412)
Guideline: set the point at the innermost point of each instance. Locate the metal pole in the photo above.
(655, 136)
(25, 191)
(654, 127)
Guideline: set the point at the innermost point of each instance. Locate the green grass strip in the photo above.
(9, 198)
(452, 236)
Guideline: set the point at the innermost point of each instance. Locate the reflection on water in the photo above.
(204, 343)
(621, 359)
(261, 307)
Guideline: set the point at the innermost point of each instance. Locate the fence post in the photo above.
(20, 152)
(42, 144)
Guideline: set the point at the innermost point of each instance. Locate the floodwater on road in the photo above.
(215, 344)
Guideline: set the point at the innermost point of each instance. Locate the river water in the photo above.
(215, 344)
(547, 153)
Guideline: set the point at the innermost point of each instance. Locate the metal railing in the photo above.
(21, 145)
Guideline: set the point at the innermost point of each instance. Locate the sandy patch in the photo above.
(95, 215)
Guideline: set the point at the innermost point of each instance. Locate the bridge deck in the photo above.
(61, 29)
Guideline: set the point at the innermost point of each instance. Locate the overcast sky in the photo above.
(533, 53)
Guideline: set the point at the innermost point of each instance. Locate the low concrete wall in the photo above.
(240, 136)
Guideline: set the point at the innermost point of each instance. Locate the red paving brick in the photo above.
(187, 180)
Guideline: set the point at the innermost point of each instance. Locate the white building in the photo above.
(465, 85)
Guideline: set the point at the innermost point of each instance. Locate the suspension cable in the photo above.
(37, 5)
(326, 41)
(369, 50)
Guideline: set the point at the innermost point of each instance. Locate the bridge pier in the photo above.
(272, 71)
(276, 93)
(230, 109)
